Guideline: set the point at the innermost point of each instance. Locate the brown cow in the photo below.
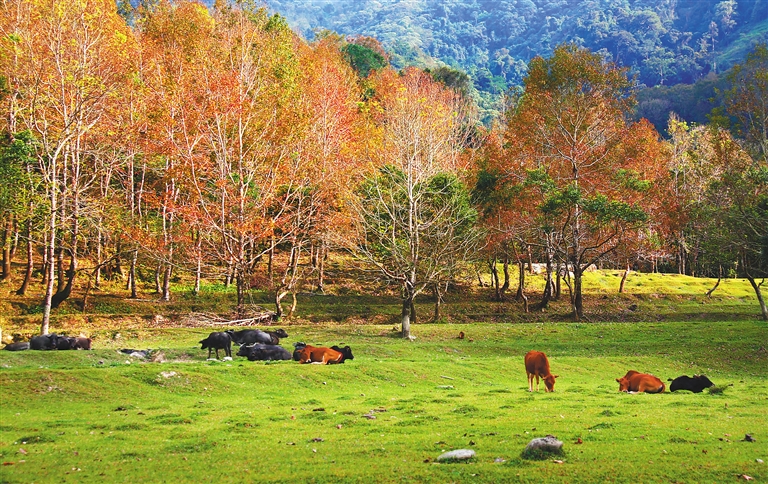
(325, 356)
(537, 365)
(635, 382)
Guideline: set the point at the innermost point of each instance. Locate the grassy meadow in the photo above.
(102, 416)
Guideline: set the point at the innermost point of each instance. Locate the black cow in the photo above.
(298, 346)
(44, 342)
(696, 384)
(346, 351)
(218, 341)
(65, 343)
(18, 346)
(262, 352)
(251, 336)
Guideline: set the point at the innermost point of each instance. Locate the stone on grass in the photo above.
(456, 455)
(543, 448)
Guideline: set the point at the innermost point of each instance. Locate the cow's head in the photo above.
(280, 333)
(623, 384)
(345, 351)
(704, 380)
(549, 382)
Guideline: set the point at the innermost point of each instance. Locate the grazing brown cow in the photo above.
(537, 365)
(634, 382)
(325, 356)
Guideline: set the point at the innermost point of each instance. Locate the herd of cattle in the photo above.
(256, 344)
(51, 341)
(259, 345)
(537, 366)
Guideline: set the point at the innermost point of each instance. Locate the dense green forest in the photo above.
(663, 42)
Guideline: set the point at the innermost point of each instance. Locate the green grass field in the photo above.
(101, 416)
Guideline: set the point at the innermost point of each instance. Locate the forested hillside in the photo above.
(664, 42)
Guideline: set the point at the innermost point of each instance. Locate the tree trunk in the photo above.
(271, 259)
(30, 261)
(167, 283)
(756, 287)
(405, 317)
(321, 250)
(158, 286)
(438, 300)
(623, 279)
(240, 288)
(505, 286)
(279, 295)
(578, 301)
(7, 237)
(294, 303)
(759, 294)
(118, 254)
(495, 279)
(520, 280)
(228, 276)
(719, 277)
(199, 257)
(132, 274)
(530, 260)
(97, 275)
(549, 285)
(62, 278)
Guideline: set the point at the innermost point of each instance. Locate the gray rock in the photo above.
(456, 455)
(543, 448)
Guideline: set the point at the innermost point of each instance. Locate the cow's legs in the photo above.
(530, 382)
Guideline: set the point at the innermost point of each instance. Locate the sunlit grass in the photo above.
(92, 416)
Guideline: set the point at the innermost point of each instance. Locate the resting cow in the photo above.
(82, 343)
(537, 365)
(325, 356)
(18, 346)
(218, 341)
(696, 384)
(262, 352)
(44, 342)
(298, 346)
(65, 343)
(251, 336)
(634, 382)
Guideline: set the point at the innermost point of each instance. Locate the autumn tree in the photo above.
(413, 213)
(323, 164)
(67, 60)
(571, 138)
(237, 167)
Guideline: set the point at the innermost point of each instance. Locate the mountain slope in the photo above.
(663, 41)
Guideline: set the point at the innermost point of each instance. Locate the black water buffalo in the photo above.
(66, 343)
(44, 342)
(252, 336)
(298, 346)
(262, 352)
(18, 346)
(696, 384)
(218, 341)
